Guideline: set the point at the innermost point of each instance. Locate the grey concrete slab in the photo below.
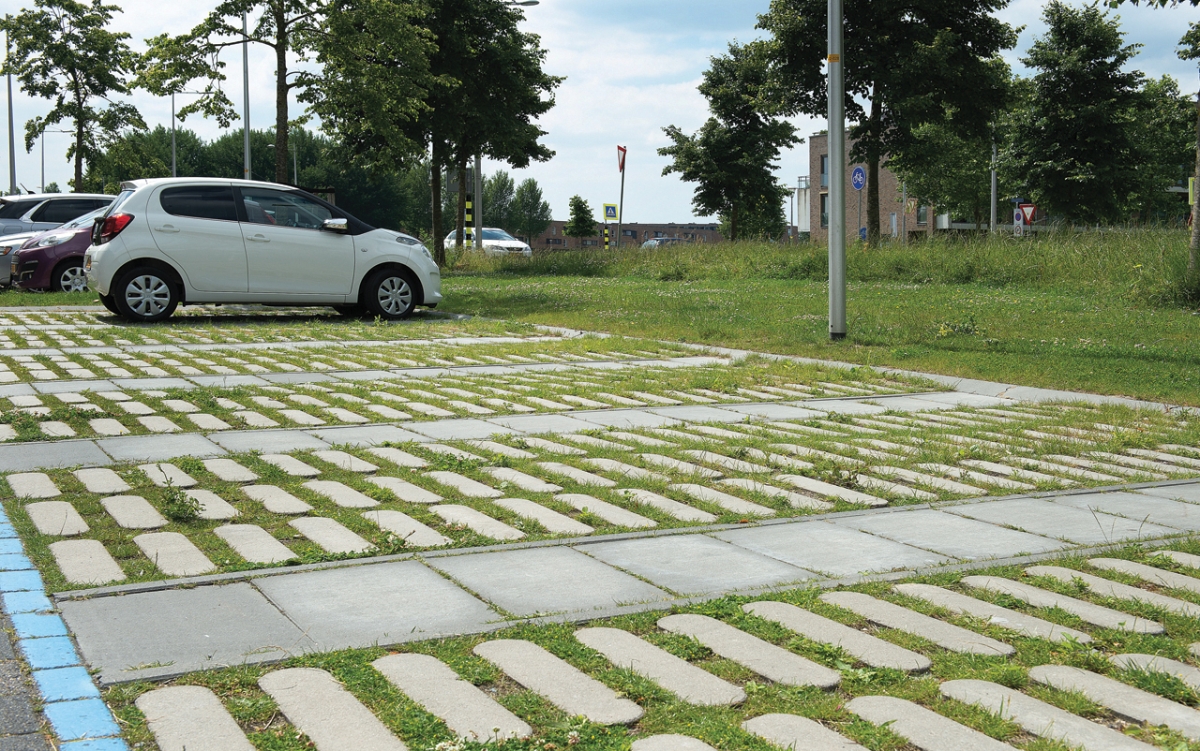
(153, 384)
(17, 389)
(319, 706)
(697, 413)
(1139, 507)
(961, 399)
(459, 430)
(155, 448)
(364, 375)
(890, 615)
(366, 435)
(789, 731)
(62, 387)
(626, 418)
(1189, 492)
(923, 728)
(268, 441)
(297, 377)
(841, 406)
(542, 424)
(1061, 521)
(774, 411)
(191, 718)
(546, 580)
(27, 456)
(180, 630)
(228, 381)
(1126, 702)
(387, 603)
(695, 564)
(949, 534)
(1012, 620)
(831, 549)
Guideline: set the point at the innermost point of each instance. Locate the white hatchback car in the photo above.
(496, 242)
(173, 241)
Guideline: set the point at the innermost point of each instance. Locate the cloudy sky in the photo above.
(632, 67)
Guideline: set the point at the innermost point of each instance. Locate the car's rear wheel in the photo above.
(69, 276)
(108, 302)
(390, 293)
(146, 294)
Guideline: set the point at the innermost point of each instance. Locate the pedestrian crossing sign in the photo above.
(610, 212)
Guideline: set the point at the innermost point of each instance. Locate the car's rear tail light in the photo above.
(109, 227)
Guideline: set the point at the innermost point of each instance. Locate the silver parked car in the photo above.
(38, 212)
(8, 246)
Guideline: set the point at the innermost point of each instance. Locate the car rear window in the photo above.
(121, 198)
(200, 201)
(11, 209)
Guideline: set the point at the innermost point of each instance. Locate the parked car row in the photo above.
(24, 222)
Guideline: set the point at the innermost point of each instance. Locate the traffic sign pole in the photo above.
(837, 176)
(621, 154)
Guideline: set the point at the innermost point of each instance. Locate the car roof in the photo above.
(44, 196)
(155, 181)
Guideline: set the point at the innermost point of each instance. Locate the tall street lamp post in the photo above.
(837, 175)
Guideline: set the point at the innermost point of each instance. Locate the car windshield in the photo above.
(13, 209)
(86, 220)
(497, 234)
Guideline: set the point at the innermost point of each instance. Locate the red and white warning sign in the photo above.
(621, 158)
(1027, 211)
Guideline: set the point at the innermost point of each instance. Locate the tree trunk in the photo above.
(460, 219)
(78, 154)
(281, 93)
(733, 222)
(435, 184)
(1194, 251)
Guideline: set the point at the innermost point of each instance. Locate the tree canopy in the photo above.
(531, 213)
(582, 222)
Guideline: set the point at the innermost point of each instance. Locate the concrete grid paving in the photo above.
(264, 615)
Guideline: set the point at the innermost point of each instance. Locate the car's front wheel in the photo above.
(69, 277)
(145, 294)
(110, 304)
(390, 293)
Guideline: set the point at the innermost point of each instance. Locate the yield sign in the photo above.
(621, 158)
(1027, 209)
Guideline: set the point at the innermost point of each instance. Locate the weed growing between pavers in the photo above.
(720, 726)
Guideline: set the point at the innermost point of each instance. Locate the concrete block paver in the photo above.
(869, 649)
(554, 522)
(212, 506)
(158, 424)
(133, 512)
(625, 471)
(950, 535)
(1128, 703)
(343, 495)
(681, 467)
(349, 462)
(730, 503)
(477, 521)
(726, 462)
(467, 711)
(86, 562)
(56, 518)
(174, 554)
(1087, 612)
(321, 708)
(37, 455)
(32, 485)
(795, 500)
(330, 535)
(208, 422)
(167, 475)
(158, 448)
(606, 511)
(464, 486)
(764, 658)
(405, 491)
(558, 682)
(1108, 588)
(923, 728)
(890, 615)
(576, 475)
(1062, 521)
(1022, 623)
(276, 499)
(291, 465)
(414, 533)
(528, 483)
(690, 683)
(1183, 559)
(190, 718)
(106, 426)
(1148, 573)
(670, 507)
(792, 732)
(255, 419)
(671, 742)
(1156, 664)
(831, 549)
(1039, 718)
(101, 480)
(397, 457)
(254, 543)
(227, 470)
(1141, 507)
(552, 447)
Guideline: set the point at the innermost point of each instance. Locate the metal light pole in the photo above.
(995, 192)
(12, 148)
(623, 157)
(246, 174)
(478, 209)
(837, 176)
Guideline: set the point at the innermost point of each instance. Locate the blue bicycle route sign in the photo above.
(858, 178)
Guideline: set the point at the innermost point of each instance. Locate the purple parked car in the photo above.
(54, 260)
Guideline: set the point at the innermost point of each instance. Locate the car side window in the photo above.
(275, 207)
(200, 201)
(11, 209)
(61, 211)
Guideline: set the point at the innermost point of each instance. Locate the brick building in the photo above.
(894, 215)
(634, 235)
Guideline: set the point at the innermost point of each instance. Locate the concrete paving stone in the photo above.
(300, 417)
(412, 532)
(1138, 463)
(330, 535)
(695, 564)
(157, 448)
(528, 483)
(887, 486)
(673, 742)
(428, 409)
(254, 543)
(380, 604)
(209, 422)
(255, 419)
(174, 554)
(546, 580)
(345, 461)
(1170, 458)
(133, 512)
(1058, 472)
(467, 711)
(1039, 718)
(291, 465)
(551, 446)
(320, 707)
(890, 615)
(680, 467)
(829, 490)
(158, 424)
(32, 485)
(930, 481)
(56, 429)
(276, 500)
(1189, 492)
(690, 683)
(1148, 573)
(167, 476)
(670, 507)
(599, 443)
(1183, 559)
(105, 426)
(864, 647)
(135, 408)
(833, 550)
(397, 457)
(554, 522)
(227, 470)
(766, 659)
(388, 413)
(730, 503)
(178, 405)
(454, 452)
(1108, 588)
(795, 500)
(1126, 702)
(405, 491)
(343, 495)
(344, 415)
(101, 480)
(978, 478)
(1156, 664)
(559, 682)
(576, 475)
(476, 521)
(1138, 507)
(542, 423)
(950, 535)
(86, 562)
(1022, 623)
(56, 518)
(503, 450)
(923, 728)
(459, 430)
(639, 438)
(196, 629)
(212, 506)
(700, 413)
(191, 718)
(1096, 615)
(792, 732)
(726, 462)
(628, 419)
(606, 511)
(464, 486)
(626, 471)
(20, 581)
(1103, 467)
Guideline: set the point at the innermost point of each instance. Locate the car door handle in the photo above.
(258, 239)
(168, 228)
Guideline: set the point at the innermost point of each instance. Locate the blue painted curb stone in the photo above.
(14, 562)
(65, 684)
(54, 652)
(25, 602)
(100, 744)
(21, 581)
(36, 626)
(80, 720)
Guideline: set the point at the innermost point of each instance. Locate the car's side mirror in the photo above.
(336, 225)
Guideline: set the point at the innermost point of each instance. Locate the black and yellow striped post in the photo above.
(606, 237)
(469, 224)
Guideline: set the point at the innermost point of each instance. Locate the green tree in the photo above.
(498, 194)
(64, 52)
(284, 26)
(908, 63)
(1165, 136)
(1189, 49)
(762, 218)
(942, 169)
(1074, 150)
(531, 213)
(732, 157)
(582, 222)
